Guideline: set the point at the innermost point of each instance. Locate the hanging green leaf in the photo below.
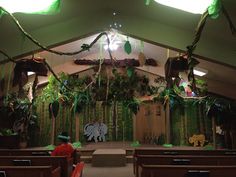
(127, 47)
(53, 109)
(214, 9)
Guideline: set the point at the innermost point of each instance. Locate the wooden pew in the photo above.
(155, 151)
(31, 171)
(182, 160)
(34, 152)
(187, 171)
(62, 161)
(24, 152)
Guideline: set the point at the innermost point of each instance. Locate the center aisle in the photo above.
(90, 171)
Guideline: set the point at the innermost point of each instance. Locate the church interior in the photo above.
(123, 88)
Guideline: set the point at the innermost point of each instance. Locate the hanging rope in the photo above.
(8, 57)
(231, 25)
(198, 33)
(84, 47)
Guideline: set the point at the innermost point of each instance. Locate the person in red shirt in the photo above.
(65, 148)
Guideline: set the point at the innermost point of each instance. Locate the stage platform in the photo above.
(87, 150)
(109, 158)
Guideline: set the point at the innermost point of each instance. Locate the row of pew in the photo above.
(36, 163)
(184, 163)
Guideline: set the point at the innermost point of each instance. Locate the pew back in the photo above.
(24, 152)
(31, 171)
(187, 171)
(155, 151)
(62, 161)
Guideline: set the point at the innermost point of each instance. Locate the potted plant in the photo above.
(8, 138)
(20, 116)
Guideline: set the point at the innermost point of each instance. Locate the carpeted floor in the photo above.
(90, 171)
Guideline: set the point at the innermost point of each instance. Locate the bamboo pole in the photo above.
(134, 127)
(77, 126)
(53, 126)
(167, 122)
(213, 119)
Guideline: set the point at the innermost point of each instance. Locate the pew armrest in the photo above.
(78, 171)
(56, 172)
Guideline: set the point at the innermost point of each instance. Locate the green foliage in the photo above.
(19, 114)
(167, 145)
(77, 145)
(19, 108)
(7, 132)
(132, 104)
(201, 86)
(50, 147)
(81, 99)
(161, 139)
(135, 144)
(53, 109)
(51, 92)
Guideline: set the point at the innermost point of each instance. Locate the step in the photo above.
(86, 159)
(129, 152)
(129, 159)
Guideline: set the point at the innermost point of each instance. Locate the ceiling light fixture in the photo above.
(30, 73)
(192, 6)
(200, 71)
(114, 41)
(112, 47)
(30, 6)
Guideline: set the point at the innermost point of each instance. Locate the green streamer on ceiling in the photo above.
(214, 9)
(32, 6)
(147, 2)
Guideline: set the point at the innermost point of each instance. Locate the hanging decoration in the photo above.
(141, 56)
(23, 66)
(214, 9)
(127, 46)
(118, 63)
(188, 62)
(84, 47)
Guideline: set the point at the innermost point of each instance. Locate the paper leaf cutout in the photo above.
(127, 47)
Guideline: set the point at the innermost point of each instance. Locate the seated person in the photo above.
(65, 148)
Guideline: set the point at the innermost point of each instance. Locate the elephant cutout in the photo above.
(96, 131)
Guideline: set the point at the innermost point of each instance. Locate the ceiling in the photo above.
(155, 24)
